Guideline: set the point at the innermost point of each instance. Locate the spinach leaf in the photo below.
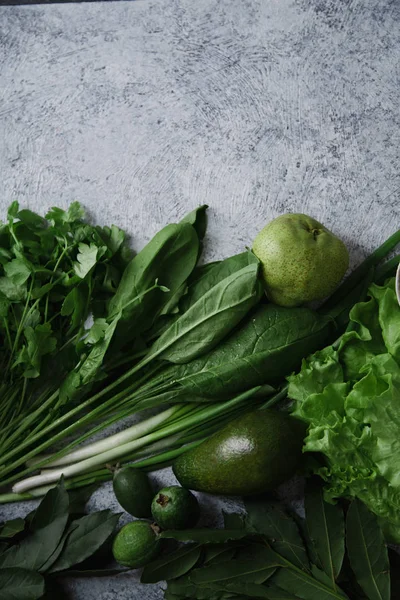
(198, 219)
(279, 527)
(47, 526)
(269, 345)
(169, 258)
(20, 584)
(86, 535)
(172, 565)
(209, 319)
(325, 524)
(201, 281)
(204, 278)
(367, 552)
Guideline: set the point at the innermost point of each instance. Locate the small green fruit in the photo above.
(301, 260)
(175, 508)
(136, 544)
(133, 491)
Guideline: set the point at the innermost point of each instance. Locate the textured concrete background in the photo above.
(143, 110)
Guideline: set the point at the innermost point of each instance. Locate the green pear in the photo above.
(301, 259)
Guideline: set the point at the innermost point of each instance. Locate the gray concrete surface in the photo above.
(143, 110)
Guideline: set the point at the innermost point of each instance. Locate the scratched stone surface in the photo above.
(143, 110)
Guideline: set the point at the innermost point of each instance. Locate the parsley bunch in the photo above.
(54, 273)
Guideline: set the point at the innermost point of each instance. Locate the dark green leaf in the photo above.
(169, 258)
(325, 524)
(205, 536)
(20, 584)
(79, 497)
(304, 585)
(268, 346)
(367, 552)
(13, 209)
(172, 565)
(59, 217)
(94, 360)
(204, 278)
(209, 319)
(213, 556)
(75, 305)
(280, 528)
(47, 526)
(198, 219)
(87, 535)
(39, 292)
(112, 236)
(183, 588)
(11, 528)
(256, 569)
(3, 547)
(40, 341)
(219, 552)
(32, 220)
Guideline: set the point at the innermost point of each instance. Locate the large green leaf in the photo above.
(279, 527)
(325, 523)
(47, 526)
(86, 535)
(172, 565)
(268, 346)
(169, 258)
(209, 319)
(20, 584)
(367, 552)
(205, 277)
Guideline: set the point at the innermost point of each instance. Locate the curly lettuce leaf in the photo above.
(350, 399)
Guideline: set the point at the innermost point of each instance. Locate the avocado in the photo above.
(253, 454)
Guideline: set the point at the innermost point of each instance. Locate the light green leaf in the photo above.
(86, 259)
(17, 271)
